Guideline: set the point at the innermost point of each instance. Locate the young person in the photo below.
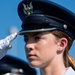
(49, 31)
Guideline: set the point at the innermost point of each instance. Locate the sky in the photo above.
(9, 18)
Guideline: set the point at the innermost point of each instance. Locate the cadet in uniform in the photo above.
(49, 31)
(11, 65)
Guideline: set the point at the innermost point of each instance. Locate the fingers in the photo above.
(11, 37)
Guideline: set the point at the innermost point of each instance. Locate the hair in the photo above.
(68, 60)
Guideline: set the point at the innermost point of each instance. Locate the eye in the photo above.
(37, 38)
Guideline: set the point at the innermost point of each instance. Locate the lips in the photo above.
(31, 56)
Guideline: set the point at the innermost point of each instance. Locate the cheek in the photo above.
(46, 45)
(46, 48)
(46, 52)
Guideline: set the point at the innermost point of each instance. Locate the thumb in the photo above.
(8, 47)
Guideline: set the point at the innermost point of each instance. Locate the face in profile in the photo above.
(40, 48)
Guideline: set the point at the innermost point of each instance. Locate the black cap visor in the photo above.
(38, 23)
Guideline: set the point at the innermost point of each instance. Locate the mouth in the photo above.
(31, 56)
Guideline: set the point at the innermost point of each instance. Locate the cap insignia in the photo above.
(28, 9)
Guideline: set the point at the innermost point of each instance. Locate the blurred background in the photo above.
(9, 19)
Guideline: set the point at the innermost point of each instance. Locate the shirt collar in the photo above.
(69, 71)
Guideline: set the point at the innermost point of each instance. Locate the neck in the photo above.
(53, 68)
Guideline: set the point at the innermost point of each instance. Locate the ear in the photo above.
(62, 44)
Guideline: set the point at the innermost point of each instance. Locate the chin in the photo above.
(34, 64)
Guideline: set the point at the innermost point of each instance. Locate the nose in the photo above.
(29, 46)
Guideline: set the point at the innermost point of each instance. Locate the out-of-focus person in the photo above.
(11, 65)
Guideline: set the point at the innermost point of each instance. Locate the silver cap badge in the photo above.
(28, 9)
